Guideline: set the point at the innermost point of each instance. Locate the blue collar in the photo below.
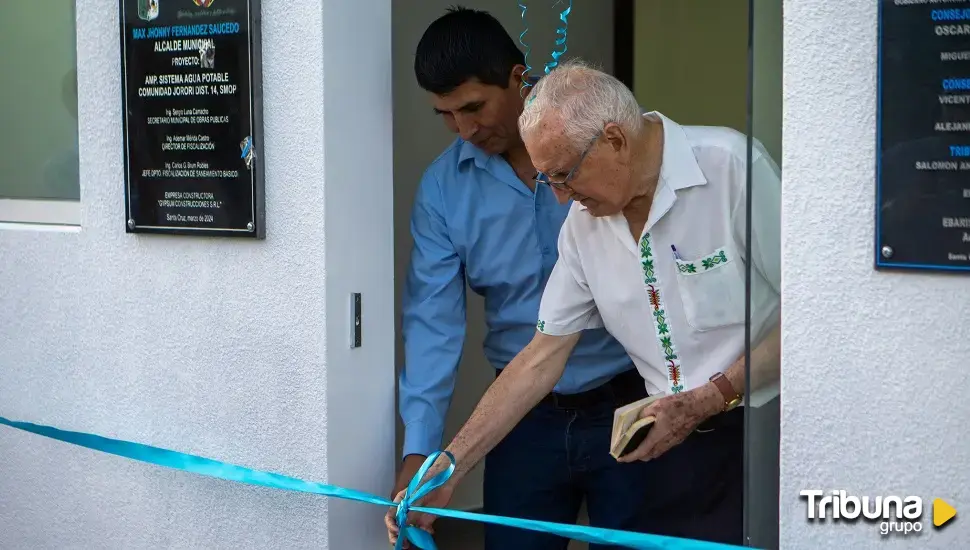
(469, 151)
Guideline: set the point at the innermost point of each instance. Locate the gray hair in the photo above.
(584, 99)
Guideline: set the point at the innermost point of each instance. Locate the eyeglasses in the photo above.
(564, 184)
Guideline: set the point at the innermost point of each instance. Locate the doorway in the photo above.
(590, 32)
(689, 59)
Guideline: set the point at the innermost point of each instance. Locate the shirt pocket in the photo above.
(712, 290)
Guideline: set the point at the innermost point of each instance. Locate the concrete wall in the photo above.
(590, 37)
(235, 350)
(875, 364)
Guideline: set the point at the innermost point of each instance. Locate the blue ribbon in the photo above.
(528, 49)
(561, 31)
(416, 490)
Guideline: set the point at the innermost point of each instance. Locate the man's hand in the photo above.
(677, 416)
(532, 374)
(410, 466)
(439, 498)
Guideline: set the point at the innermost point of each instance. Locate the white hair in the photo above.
(584, 100)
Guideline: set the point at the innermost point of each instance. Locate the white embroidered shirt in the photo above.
(680, 316)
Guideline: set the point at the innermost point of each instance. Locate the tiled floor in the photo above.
(466, 535)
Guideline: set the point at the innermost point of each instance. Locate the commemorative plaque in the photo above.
(191, 97)
(923, 142)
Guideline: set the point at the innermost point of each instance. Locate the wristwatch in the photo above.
(731, 398)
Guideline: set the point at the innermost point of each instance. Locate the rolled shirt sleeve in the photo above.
(765, 216)
(764, 253)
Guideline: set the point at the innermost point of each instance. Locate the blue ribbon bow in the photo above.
(415, 492)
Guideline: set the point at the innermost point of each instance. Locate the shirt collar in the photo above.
(678, 168)
(469, 152)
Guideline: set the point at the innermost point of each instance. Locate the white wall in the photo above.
(590, 37)
(358, 191)
(875, 364)
(234, 350)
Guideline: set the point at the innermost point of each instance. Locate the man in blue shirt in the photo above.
(480, 218)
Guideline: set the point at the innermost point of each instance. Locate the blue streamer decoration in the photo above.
(561, 31)
(415, 491)
(528, 50)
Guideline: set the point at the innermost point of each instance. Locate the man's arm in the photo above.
(708, 401)
(765, 218)
(523, 382)
(765, 259)
(567, 308)
(433, 323)
(765, 363)
(531, 375)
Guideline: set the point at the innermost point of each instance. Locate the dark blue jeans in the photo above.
(547, 465)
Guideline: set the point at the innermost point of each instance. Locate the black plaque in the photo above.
(923, 141)
(191, 79)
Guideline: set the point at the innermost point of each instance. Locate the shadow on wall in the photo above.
(590, 32)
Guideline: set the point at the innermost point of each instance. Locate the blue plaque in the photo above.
(923, 136)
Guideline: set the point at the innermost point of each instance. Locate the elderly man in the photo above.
(653, 249)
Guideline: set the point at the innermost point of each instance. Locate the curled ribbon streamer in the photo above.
(528, 49)
(416, 490)
(564, 17)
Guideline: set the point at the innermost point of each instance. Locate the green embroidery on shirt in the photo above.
(661, 317)
(660, 323)
(646, 260)
(706, 263)
(714, 259)
(668, 346)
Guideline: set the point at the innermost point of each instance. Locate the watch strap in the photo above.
(731, 398)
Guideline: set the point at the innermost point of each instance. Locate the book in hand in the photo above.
(629, 430)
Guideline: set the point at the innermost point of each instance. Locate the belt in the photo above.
(623, 388)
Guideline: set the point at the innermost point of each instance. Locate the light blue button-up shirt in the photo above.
(474, 220)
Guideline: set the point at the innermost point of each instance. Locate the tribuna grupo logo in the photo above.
(902, 515)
